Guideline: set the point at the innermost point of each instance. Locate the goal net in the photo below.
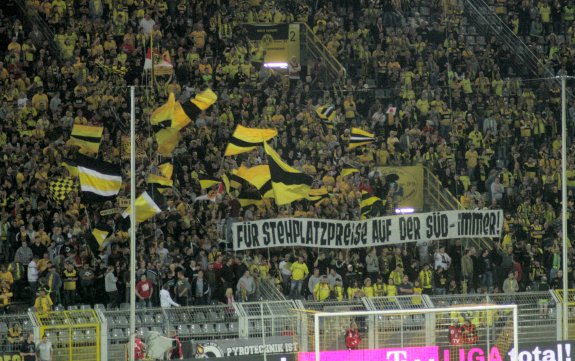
(463, 333)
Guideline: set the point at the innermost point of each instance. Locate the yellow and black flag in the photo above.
(206, 181)
(99, 181)
(174, 114)
(167, 139)
(247, 139)
(370, 204)
(360, 137)
(288, 183)
(326, 114)
(166, 169)
(318, 194)
(70, 165)
(266, 190)
(61, 187)
(348, 169)
(97, 238)
(163, 184)
(248, 197)
(87, 138)
(148, 204)
(256, 176)
(233, 182)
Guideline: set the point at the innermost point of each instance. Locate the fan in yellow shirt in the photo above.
(43, 303)
(368, 289)
(322, 291)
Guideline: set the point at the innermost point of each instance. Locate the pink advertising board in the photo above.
(383, 354)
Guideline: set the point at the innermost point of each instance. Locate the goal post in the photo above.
(484, 332)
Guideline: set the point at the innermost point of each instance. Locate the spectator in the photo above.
(43, 303)
(510, 284)
(111, 288)
(442, 259)
(166, 299)
(467, 269)
(246, 287)
(299, 272)
(28, 349)
(54, 284)
(312, 281)
(322, 290)
(15, 337)
(87, 282)
(70, 281)
(33, 276)
(182, 289)
(45, 350)
(144, 291)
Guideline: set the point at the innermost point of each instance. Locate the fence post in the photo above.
(263, 331)
(103, 334)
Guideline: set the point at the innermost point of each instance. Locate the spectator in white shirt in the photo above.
(442, 259)
(166, 299)
(33, 277)
(147, 24)
(45, 350)
(110, 281)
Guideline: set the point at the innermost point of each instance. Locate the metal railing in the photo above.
(437, 197)
(33, 18)
(268, 290)
(314, 50)
(570, 317)
(489, 23)
(539, 319)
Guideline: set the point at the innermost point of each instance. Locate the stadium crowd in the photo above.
(461, 109)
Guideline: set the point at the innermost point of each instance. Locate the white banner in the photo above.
(328, 233)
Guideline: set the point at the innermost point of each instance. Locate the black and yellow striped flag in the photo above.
(256, 176)
(326, 114)
(267, 190)
(61, 187)
(163, 184)
(318, 194)
(249, 197)
(247, 139)
(70, 165)
(348, 169)
(288, 183)
(174, 114)
(370, 204)
(97, 239)
(206, 181)
(99, 181)
(148, 204)
(87, 138)
(233, 182)
(360, 137)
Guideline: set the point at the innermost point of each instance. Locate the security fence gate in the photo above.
(75, 334)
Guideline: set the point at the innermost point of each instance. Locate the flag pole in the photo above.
(132, 222)
(565, 237)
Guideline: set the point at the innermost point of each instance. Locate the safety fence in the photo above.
(100, 334)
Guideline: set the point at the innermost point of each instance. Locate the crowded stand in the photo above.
(465, 111)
